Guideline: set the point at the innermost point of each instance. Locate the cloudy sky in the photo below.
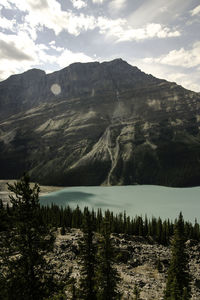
(158, 36)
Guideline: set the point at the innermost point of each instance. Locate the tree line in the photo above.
(160, 231)
(27, 235)
(54, 216)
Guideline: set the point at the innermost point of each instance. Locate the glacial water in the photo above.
(135, 200)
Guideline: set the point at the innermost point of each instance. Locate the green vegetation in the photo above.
(4, 222)
(160, 231)
(27, 235)
(178, 281)
(106, 275)
(88, 255)
(23, 247)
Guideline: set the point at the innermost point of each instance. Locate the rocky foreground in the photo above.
(137, 263)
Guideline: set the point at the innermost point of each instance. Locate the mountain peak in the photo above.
(116, 60)
(34, 71)
(99, 123)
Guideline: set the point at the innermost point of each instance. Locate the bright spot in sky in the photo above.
(56, 89)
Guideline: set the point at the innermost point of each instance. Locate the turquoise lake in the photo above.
(135, 200)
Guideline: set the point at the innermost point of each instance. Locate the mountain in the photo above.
(99, 124)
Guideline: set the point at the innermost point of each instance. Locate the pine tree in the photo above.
(87, 253)
(62, 230)
(99, 219)
(106, 275)
(178, 281)
(25, 245)
(77, 218)
(4, 218)
(4, 226)
(159, 231)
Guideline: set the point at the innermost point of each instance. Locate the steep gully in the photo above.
(113, 151)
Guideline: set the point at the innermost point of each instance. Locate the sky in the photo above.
(160, 37)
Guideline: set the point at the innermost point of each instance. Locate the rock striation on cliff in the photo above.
(99, 124)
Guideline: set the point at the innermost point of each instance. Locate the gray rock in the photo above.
(106, 123)
(140, 270)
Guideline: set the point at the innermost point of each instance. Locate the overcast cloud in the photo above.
(160, 37)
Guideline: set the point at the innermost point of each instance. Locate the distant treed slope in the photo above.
(110, 124)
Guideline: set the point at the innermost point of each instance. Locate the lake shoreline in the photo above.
(150, 200)
(157, 201)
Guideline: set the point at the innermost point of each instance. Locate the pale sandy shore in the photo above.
(4, 192)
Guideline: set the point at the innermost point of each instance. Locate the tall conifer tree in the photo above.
(25, 245)
(87, 252)
(106, 276)
(178, 281)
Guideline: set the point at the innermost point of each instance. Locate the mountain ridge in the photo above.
(103, 124)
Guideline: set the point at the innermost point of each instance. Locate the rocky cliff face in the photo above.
(93, 124)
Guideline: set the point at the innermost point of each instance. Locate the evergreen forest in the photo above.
(27, 232)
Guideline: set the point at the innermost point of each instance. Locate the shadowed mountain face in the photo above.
(93, 124)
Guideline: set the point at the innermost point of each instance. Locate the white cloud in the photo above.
(42, 47)
(189, 82)
(60, 20)
(78, 23)
(8, 50)
(119, 30)
(27, 5)
(173, 74)
(68, 57)
(16, 46)
(49, 14)
(15, 26)
(98, 1)
(157, 11)
(58, 49)
(116, 5)
(27, 28)
(79, 3)
(195, 11)
(6, 4)
(111, 27)
(18, 52)
(183, 58)
(171, 66)
(38, 4)
(7, 24)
